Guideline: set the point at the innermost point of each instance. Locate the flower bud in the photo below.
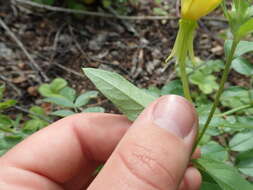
(195, 9)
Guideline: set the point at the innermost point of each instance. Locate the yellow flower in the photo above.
(195, 9)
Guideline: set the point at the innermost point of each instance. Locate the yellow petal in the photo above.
(195, 9)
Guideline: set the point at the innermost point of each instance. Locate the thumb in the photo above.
(155, 152)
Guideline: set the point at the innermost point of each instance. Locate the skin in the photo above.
(137, 155)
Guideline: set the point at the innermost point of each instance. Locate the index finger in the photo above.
(68, 148)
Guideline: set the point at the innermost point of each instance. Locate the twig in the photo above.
(11, 85)
(127, 25)
(69, 70)
(27, 111)
(62, 67)
(33, 64)
(105, 15)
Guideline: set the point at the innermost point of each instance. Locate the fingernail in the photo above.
(174, 114)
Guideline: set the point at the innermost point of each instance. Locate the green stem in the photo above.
(221, 88)
(244, 107)
(184, 77)
(184, 46)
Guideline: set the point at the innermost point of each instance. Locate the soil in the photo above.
(61, 44)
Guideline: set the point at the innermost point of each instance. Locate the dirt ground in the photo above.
(61, 44)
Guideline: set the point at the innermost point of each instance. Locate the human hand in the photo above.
(153, 153)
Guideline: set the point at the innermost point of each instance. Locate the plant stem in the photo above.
(244, 107)
(220, 90)
(185, 46)
(184, 77)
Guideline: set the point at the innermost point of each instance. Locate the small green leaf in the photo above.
(7, 104)
(5, 121)
(58, 84)
(226, 176)
(45, 91)
(214, 151)
(129, 99)
(94, 109)
(173, 87)
(85, 98)
(242, 141)
(60, 101)
(206, 83)
(244, 162)
(53, 89)
(242, 48)
(242, 66)
(236, 96)
(37, 110)
(245, 29)
(5, 124)
(63, 113)
(68, 93)
(13, 139)
(33, 125)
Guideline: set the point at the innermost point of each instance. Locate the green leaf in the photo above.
(226, 176)
(39, 113)
(85, 98)
(211, 66)
(58, 84)
(214, 151)
(45, 91)
(63, 113)
(5, 124)
(94, 109)
(37, 110)
(207, 179)
(209, 186)
(68, 93)
(153, 91)
(17, 121)
(235, 96)
(13, 139)
(242, 122)
(245, 29)
(206, 83)
(242, 141)
(173, 87)
(33, 125)
(5, 121)
(53, 89)
(242, 48)
(60, 101)
(244, 162)
(129, 99)
(7, 104)
(243, 66)
(8, 141)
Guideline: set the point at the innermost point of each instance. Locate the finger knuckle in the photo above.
(147, 165)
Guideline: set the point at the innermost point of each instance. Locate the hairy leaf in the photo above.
(129, 99)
